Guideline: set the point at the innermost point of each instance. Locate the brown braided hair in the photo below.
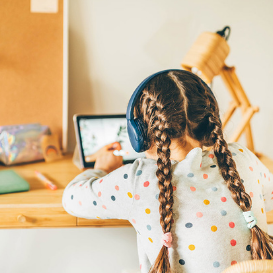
(175, 104)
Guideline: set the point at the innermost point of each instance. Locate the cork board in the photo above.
(31, 65)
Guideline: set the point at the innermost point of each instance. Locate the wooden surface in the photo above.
(31, 66)
(40, 207)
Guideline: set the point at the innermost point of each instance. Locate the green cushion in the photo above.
(10, 181)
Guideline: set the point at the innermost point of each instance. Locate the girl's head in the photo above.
(174, 105)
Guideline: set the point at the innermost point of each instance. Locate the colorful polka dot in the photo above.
(148, 211)
(200, 164)
(139, 172)
(213, 166)
(242, 180)
(72, 197)
(181, 261)
(174, 188)
(211, 156)
(233, 263)
(223, 199)
(199, 214)
(190, 175)
(103, 206)
(264, 175)
(206, 202)
(157, 195)
(241, 150)
(188, 225)
(149, 227)
(134, 221)
(191, 247)
(233, 154)
(248, 248)
(117, 187)
(216, 264)
(94, 203)
(251, 194)
(140, 266)
(205, 176)
(101, 180)
(86, 186)
(80, 203)
(233, 242)
(214, 188)
(137, 196)
(150, 239)
(129, 194)
(125, 176)
(146, 184)
(261, 196)
(193, 188)
(251, 168)
(262, 210)
(113, 198)
(213, 228)
(80, 185)
(223, 213)
(231, 224)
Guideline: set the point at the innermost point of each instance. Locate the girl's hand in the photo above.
(106, 160)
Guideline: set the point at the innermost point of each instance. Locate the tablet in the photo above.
(93, 132)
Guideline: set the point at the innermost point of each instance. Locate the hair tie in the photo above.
(166, 239)
(250, 219)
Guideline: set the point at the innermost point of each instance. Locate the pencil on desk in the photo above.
(47, 182)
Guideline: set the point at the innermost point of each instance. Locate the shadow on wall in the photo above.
(79, 83)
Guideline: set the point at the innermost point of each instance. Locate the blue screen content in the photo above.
(96, 133)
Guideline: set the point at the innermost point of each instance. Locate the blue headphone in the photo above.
(136, 129)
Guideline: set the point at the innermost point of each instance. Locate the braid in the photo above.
(164, 178)
(153, 116)
(163, 173)
(261, 243)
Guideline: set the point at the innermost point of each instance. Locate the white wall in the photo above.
(70, 250)
(113, 45)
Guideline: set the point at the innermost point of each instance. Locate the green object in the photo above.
(10, 181)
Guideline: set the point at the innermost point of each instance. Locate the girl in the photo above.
(194, 209)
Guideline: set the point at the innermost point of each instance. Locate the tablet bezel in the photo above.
(76, 119)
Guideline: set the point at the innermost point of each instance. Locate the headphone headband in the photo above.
(137, 92)
(137, 131)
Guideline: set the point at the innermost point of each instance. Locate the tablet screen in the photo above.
(97, 132)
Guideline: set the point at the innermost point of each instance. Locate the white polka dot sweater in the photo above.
(209, 230)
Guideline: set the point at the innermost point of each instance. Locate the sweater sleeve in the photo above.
(95, 194)
(264, 175)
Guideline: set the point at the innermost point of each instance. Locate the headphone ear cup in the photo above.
(137, 134)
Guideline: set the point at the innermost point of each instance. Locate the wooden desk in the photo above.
(42, 208)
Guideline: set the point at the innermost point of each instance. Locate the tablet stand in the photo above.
(76, 158)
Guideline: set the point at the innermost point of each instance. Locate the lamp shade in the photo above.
(207, 55)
